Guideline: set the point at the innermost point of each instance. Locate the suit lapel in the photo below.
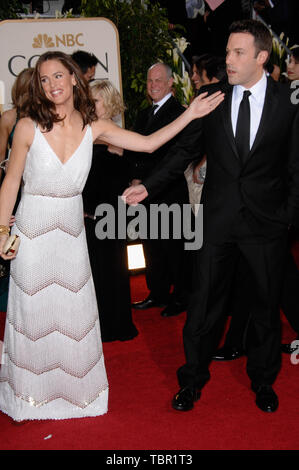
(227, 120)
(151, 119)
(269, 110)
(160, 115)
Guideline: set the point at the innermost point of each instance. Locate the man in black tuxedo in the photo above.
(165, 258)
(250, 197)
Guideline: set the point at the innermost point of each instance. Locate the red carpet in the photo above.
(142, 376)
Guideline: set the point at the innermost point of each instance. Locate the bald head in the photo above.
(159, 81)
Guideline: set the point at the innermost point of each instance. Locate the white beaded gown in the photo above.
(52, 363)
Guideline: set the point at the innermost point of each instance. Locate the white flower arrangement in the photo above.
(277, 48)
(67, 14)
(182, 83)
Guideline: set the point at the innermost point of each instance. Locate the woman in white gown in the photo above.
(52, 363)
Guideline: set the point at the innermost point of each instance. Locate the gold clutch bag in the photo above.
(12, 244)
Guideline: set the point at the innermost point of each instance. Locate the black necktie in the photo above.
(243, 127)
(151, 114)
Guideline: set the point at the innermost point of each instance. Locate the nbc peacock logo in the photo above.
(67, 40)
(42, 40)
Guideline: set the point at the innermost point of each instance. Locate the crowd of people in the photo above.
(234, 149)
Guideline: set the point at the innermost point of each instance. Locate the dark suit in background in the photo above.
(165, 259)
(107, 178)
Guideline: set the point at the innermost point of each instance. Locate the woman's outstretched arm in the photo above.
(111, 133)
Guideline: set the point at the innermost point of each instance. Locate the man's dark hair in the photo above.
(85, 60)
(261, 34)
(295, 53)
(214, 66)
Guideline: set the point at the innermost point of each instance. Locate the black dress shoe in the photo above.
(228, 354)
(149, 302)
(266, 398)
(172, 309)
(290, 348)
(185, 398)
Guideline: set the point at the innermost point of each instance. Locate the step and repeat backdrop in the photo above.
(23, 41)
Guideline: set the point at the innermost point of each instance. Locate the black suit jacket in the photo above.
(265, 188)
(144, 164)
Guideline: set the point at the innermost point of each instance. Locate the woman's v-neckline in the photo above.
(71, 156)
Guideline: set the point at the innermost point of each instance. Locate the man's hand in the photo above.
(134, 182)
(134, 194)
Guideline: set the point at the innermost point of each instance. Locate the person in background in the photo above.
(273, 70)
(206, 70)
(107, 179)
(293, 64)
(165, 258)
(8, 121)
(87, 63)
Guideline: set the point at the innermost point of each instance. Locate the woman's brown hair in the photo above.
(42, 110)
(20, 92)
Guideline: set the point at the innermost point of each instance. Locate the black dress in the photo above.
(107, 179)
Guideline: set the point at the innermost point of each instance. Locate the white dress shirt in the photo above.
(256, 102)
(161, 102)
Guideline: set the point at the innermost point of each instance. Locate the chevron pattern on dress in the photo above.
(37, 368)
(52, 362)
(38, 319)
(44, 218)
(87, 401)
